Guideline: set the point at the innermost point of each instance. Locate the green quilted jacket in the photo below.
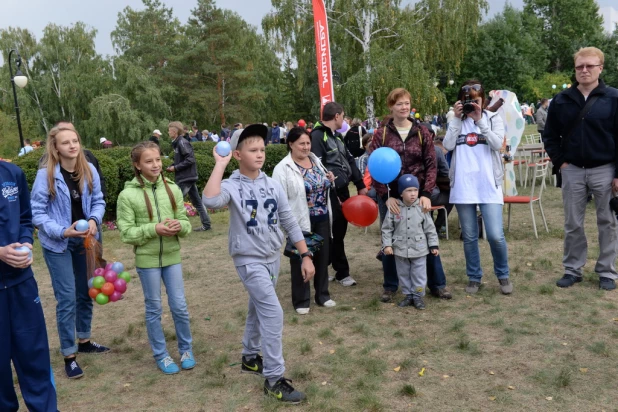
(137, 229)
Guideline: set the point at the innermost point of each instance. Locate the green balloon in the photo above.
(102, 299)
(125, 275)
(98, 282)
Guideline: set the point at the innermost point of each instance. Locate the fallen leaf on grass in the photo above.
(445, 376)
(331, 351)
(397, 369)
(353, 308)
(492, 398)
(422, 372)
(549, 398)
(320, 343)
(615, 319)
(564, 344)
(250, 390)
(528, 264)
(126, 385)
(324, 383)
(491, 373)
(511, 387)
(583, 370)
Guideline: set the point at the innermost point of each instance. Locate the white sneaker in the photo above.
(329, 303)
(347, 281)
(302, 311)
(331, 278)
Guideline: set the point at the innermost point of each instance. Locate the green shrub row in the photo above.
(116, 166)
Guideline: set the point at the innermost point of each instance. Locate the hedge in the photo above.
(117, 168)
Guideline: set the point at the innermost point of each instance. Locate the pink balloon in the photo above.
(110, 276)
(120, 285)
(109, 266)
(99, 272)
(115, 297)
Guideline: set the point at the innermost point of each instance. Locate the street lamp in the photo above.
(21, 81)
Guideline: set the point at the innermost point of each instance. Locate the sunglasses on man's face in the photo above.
(469, 87)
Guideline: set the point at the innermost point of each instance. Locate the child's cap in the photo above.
(249, 131)
(407, 181)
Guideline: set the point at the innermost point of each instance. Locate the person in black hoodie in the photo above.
(354, 139)
(22, 324)
(185, 169)
(327, 145)
(580, 137)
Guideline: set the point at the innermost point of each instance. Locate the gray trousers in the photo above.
(576, 184)
(264, 326)
(412, 273)
(196, 201)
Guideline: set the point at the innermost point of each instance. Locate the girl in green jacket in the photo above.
(151, 217)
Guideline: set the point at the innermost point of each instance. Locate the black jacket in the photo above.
(154, 139)
(335, 156)
(15, 220)
(184, 161)
(595, 141)
(354, 140)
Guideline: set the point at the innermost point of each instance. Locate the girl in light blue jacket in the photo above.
(66, 190)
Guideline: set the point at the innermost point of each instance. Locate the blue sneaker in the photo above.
(187, 361)
(168, 366)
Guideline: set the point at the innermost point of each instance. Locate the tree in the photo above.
(566, 26)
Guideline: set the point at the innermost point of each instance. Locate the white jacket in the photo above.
(288, 174)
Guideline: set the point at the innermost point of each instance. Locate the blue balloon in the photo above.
(117, 267)
(384, 165)
(82, 225)
(90, 285)
(223, 148)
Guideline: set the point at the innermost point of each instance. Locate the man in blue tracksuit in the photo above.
(23, 336)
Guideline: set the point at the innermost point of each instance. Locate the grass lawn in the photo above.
(542, 348)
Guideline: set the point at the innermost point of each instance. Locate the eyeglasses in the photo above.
(469, 87)
(587, 67)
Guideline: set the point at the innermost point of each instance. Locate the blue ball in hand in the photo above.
(82, 225)
(24, 249)
(223, 149)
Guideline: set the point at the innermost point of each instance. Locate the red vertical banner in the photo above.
(322, 50)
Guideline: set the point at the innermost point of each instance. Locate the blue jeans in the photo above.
(436, 278)
(492, 219)
(70, 283)
(174, 286)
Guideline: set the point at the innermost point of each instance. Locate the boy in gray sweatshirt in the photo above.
(257, 205)
(410, 235)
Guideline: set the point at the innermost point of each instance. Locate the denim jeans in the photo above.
(436, 278)
(492, 219)
(174, 286)
(70, 283)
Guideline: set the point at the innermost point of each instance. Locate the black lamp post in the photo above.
(21, 81)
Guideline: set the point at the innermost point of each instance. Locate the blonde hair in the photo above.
(82, 172)
(180, 129)
(136, 155)
(589, 52)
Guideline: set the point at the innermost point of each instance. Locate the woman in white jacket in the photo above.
(475, 137)
(307, 185)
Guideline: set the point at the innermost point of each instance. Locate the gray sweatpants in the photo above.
(264, 326)
(412, 273)
(576, 183)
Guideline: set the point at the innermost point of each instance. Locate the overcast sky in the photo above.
(102, 15)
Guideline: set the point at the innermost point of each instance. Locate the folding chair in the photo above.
(540, 170)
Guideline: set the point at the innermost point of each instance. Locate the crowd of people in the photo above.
(300, 207)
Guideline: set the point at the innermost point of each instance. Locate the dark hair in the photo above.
(366, 138)
(136, 154)
(330, 110)
(543, 101)
(472, 93)
(294, 134)
(27, 141)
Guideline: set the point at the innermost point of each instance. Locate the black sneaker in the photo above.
(387, 295)
(607, 284)
(72, 369)
(568, 280)
(254, 366)
(92, 347)
(418, 302)
(283, 391)
(406, 302)
(201, 229)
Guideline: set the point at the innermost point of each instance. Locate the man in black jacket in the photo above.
(584, 144)
(185, 169)
(156, 135)
(327, 145)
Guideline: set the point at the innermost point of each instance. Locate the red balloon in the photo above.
(93, 292)
(120, 285)
(107, 288)
(360, 210)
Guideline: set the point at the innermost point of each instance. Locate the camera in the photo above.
(468, 107)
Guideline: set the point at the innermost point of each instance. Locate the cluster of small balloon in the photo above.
(109, 283)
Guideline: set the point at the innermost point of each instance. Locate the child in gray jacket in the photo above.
(257, 205)
(410, 235)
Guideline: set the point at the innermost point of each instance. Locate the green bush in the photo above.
(117, 168)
